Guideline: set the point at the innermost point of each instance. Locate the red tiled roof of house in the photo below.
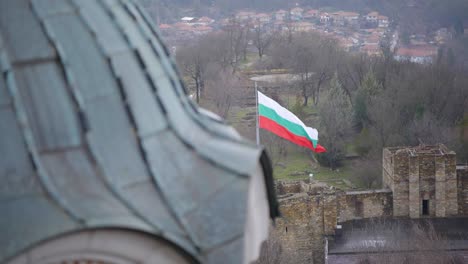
(165, 26)
(205, 19)
(417, 51)
(261, 15)
(370, 48)
(373, 38)
(245, 13)
(348, 14)
(312, 12)
(297, 9)
(202, 28)
(182, 26)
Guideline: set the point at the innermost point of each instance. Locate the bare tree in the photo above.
(221, 92)
(367, 172)
(193, 60)
(237, 40)
(261, 39)
(303, 60)
(314, 60)
(276, 146)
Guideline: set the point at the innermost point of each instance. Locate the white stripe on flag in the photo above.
(286, 114)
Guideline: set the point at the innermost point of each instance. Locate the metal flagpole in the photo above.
(256, 118)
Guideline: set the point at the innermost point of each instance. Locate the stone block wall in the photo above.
(311, 210)
(301, 228)
(365, 204)
(415, 174)
(462, 177)
(451, 185)
(400, 183)
(307, 217)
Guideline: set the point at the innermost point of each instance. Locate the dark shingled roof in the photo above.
(97, 131)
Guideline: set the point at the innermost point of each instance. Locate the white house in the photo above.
(383, 21)
(417, 54)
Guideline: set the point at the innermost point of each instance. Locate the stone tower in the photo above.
(423, 180)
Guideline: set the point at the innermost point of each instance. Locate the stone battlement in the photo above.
(419, 182)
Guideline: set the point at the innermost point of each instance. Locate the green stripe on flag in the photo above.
(292, 127)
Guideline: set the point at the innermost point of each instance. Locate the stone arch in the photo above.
(103, 246)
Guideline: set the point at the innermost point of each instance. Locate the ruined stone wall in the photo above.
(301, 228)
(288, 187)
(462, 177)
(427, 185)
(309, 216)
(365, 204)
(387, 168)
(400, 184)
(421, 173)
(451, 185)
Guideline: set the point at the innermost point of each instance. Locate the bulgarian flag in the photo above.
(278, 120)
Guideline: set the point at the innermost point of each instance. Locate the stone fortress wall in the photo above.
(423, 180)
(312, 211)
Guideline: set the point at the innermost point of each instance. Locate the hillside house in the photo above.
(302, 26)
(382, 21)
(296, 13)
(325, 18)
(371, 49)
(344, 17)
(204, 21)
(245, 15)
(281, 15)
(201, 30)
(164, 27)
(350, 17)
(348, 44)
(417, 54)
(188, 20)
(372, 17)
(311, 14)
(262, 18)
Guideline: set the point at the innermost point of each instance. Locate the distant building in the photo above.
(371, 49)
(165, 27)
(442, 35)
(420, 184)
(281, 15)
(188, 20)
(350, 17)
(348, 44)
(422, 54)
(182, 26)
(205, 21)
(302, 26)
(343, 17)
(262, 18)
(372, 17)
(311, 14)
(202, 30)
(245, 15)
(423, 180)
(296, 13)
(325, 18)
(374, 38)
(383, 21)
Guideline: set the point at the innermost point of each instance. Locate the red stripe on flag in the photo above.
(281, 131)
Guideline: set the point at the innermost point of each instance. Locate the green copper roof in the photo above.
(97, 131)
